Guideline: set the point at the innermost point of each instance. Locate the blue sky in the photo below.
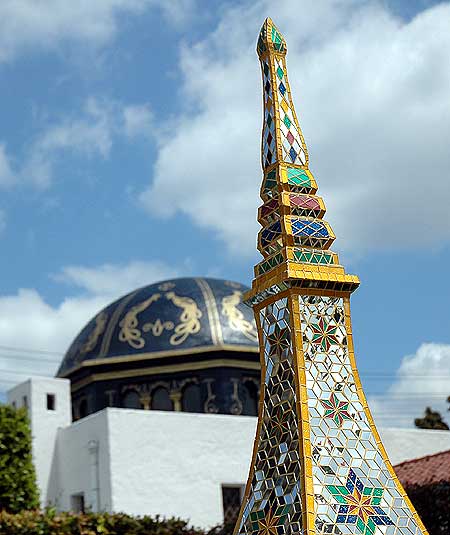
(129, 152)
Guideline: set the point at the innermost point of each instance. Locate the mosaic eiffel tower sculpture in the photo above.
(318, 463)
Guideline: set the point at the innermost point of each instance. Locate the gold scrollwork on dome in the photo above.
(165, 286)
(236, 319)
(91, 342)
(130, 331)
(158, 327)
(189, 318)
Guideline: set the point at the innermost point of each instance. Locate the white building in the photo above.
(154, 462)
(154, 409)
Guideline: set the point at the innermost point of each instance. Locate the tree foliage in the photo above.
(431, 420)
(432, 502)
(18, 489)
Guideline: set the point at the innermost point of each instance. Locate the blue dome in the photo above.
(175, 316)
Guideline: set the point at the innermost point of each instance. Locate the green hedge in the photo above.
(52, 523)
(18, 489)
(432, 503)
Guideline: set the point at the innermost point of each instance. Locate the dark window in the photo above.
(25, 402)
(109, 398)
(14, 404)
(192, 401)
(131, 400)
(77, 503)
(83, 408)
(51, 402)
(231, 499)
(250, 399)
(161, 400)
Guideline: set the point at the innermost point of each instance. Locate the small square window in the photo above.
(231, 500)
(51, 402)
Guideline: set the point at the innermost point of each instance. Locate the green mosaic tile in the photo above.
(277, 40)
(298, 177)
(370, 526)
(270, 263)
(313, 257)
(270, 181)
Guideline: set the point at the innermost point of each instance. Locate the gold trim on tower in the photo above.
(318, 464)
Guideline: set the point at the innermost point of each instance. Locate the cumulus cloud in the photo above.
(28, 321)
(423, 380)
(371, 92)
(138, 120)
(88, 133)
(114, 280)
(29, 25)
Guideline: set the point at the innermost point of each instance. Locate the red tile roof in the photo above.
(424, 471)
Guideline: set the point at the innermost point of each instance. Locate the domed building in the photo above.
(187, 344)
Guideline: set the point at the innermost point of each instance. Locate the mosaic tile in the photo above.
(357, 493)
(317, 465)
(273, 505)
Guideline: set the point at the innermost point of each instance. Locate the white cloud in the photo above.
(179, 12)
(423, 380)
(138, 120)
(27, 25)
(89, 133)
(115, 280)
(28, 321)
(372, 96)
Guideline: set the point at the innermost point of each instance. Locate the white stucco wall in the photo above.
(74, 472)
(44, 423)
(175, 463)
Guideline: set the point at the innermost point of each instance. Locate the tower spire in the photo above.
(294, 237)
(286, 143)
(318, 464)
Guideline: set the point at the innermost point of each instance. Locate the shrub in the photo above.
(51, 523)
(18, 489)
(432, 503)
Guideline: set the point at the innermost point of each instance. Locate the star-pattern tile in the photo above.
(318, 466)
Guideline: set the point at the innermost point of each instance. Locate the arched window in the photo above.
(83, 408)
(161, 400)
(249, 399)
(131, 400)
(192, 401)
